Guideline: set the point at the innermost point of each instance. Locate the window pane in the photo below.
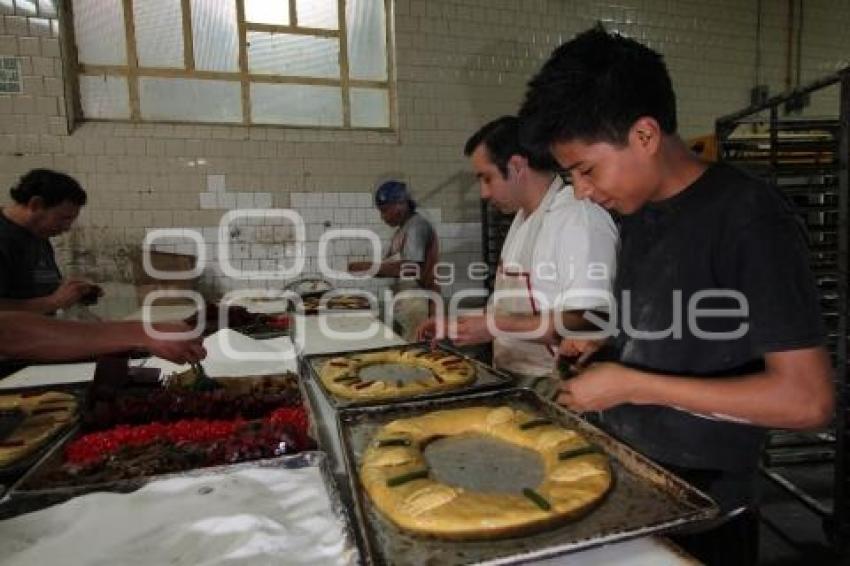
(293, 55)
(104, 97)
(367, 39)
(26, 7)
(192, 100)
(299, 105)
(159, 33)
(99, 31)
(267, 11)
(370, 108)
(317, 13)
(215, 35)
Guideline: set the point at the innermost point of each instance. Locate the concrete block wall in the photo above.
(459, 63)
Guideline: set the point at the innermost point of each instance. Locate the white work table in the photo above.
(364, 331)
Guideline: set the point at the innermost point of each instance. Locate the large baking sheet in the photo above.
(15, 470)
(19, 503)
(53, 458)
(486, 377)
(645, 499)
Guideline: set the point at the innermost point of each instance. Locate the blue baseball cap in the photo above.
(391, 192)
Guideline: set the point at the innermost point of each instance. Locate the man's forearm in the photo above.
(38, 305)
(37, 338)
(770, 398)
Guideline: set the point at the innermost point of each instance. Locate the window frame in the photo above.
(132, 71)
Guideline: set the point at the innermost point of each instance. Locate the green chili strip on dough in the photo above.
(576, 452)
(534, 423)
(393, 442)
(537, 499)
(404, 478)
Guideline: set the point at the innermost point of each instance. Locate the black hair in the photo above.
(53, 187)
(594, 88)
(501, 140)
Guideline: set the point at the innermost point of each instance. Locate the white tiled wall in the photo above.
(459, 63)
(268, 243)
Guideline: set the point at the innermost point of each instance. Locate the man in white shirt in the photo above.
(558, 257)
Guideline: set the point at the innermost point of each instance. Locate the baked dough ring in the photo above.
(44, 415)
(340, 375)
(571, 486)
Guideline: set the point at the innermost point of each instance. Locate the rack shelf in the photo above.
(808, 160)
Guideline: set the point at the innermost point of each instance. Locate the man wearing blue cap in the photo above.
(411, 257)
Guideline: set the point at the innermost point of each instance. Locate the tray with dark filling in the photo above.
(315, 305)
(123, 395)
(84, 461)
(238, 318)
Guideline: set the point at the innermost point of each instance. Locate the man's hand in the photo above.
(431, 330)
(179, 351)
(69, 293)
(463, 331)
(576, 348)
(600, 387)
(359, 266)
(469, 330)
(92, 295)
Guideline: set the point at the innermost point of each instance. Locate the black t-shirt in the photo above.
(730, 231)
(27, 265)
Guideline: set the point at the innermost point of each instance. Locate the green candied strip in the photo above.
(534, 423)
(404, 478)
(576, 452)
(537, 499)
(393, 442)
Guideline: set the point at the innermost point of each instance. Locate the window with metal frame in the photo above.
(302, 63)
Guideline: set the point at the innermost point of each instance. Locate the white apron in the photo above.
(408, 312)
(514, 274)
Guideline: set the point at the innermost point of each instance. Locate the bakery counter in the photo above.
(279, 505)
(312, 342)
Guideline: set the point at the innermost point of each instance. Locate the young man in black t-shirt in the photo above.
(692, 389)
(44, 204)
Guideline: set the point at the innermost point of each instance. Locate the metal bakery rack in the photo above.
(807, 158)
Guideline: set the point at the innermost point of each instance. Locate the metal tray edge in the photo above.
(15, 490)
(370, 556)
(503, 379)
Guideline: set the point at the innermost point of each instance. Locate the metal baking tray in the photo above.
(53, 457)
(486, 377)
(645, 498)
(13, 471)
(112, 393)
(26, 503)
(329, 308)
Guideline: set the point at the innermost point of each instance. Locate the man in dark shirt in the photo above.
(44, 204)
(691, 387)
